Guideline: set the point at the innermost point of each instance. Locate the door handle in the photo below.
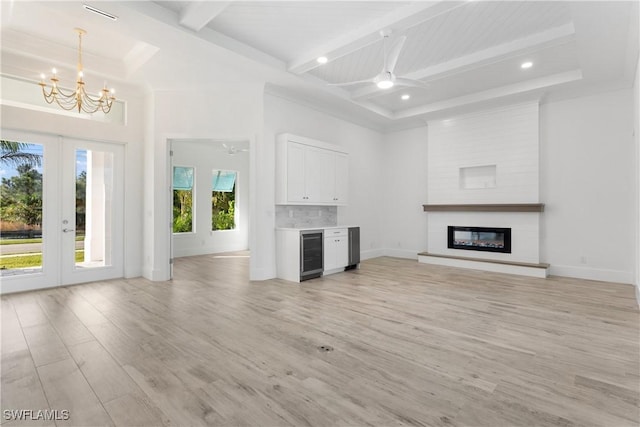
(67, 230)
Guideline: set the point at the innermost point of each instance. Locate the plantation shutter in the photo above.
(224, 181)
(182, 178)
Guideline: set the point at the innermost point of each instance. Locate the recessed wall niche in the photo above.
(475, 177)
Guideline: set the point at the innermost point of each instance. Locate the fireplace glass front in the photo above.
(486, 239)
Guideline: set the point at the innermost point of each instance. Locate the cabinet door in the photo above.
(319, 175)
(342, 252)
(341, 178)
(336, 252)
(330, 252)
(295, 172)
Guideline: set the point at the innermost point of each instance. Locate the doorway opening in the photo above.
(210, 201)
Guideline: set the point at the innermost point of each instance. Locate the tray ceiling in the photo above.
(468, 52)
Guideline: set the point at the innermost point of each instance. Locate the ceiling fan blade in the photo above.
(225, 146)
(394, 53)
(351, 83)
(401, 81)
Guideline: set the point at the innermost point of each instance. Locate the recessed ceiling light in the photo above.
(322, 59)
(100, 12)
(526, 65)
(405, 96)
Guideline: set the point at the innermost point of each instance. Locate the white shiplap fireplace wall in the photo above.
(485, 158)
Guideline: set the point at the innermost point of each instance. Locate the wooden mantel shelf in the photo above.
(508, 207)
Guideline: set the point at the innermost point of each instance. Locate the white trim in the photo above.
(586, 273)
(372, 253)
(260, 273)
(8, 287)
(203, 251)
(158, 275)
(485, 266)
(401, 253)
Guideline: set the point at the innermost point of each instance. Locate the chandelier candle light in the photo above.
(79, 98)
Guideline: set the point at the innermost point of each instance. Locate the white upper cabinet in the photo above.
(310, 172)
(295, 161)
(341, 163)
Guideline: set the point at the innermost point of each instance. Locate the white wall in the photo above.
(587, 184)
(636, 115)
(226, 110)
(366, 165)
(130, 135)
(404, 223)
(205, 157)
(504, 139)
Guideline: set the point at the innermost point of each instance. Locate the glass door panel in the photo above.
(92, 222)
(94, 208)
(21, 197)
(29, 209)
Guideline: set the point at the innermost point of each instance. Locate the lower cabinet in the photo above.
(336, 249)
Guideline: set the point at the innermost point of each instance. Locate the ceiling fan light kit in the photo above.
(387, 79)
(233, 150)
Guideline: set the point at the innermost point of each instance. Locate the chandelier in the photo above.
(78, 98)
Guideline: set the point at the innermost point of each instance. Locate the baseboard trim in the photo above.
(372, 253)
(179, 253)
(11, 288)
(258, 274)
(400, 253)
(159, 276)
(586, 273)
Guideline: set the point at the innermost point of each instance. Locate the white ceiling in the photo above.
(469, 52)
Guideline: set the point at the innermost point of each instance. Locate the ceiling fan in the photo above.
(386, 79)
(231, 149)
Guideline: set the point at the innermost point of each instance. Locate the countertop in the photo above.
(332, 227)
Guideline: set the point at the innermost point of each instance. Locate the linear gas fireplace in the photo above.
(479, 239)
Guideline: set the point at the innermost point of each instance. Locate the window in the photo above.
(223, 200)
(182, 199)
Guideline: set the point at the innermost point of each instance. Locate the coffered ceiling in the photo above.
(467, 53)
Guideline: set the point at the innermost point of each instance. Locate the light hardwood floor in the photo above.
(413, 344)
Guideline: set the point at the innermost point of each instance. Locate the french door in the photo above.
(81, 219)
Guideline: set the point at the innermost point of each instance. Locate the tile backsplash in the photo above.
(306, 216)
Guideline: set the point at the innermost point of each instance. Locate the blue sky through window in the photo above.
(7, 170)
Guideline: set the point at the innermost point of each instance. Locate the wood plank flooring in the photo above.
(413, 344)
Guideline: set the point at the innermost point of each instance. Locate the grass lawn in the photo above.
(19, 241)
(23, 241)
(24, 261)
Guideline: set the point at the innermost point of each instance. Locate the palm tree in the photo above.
(12, 153)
